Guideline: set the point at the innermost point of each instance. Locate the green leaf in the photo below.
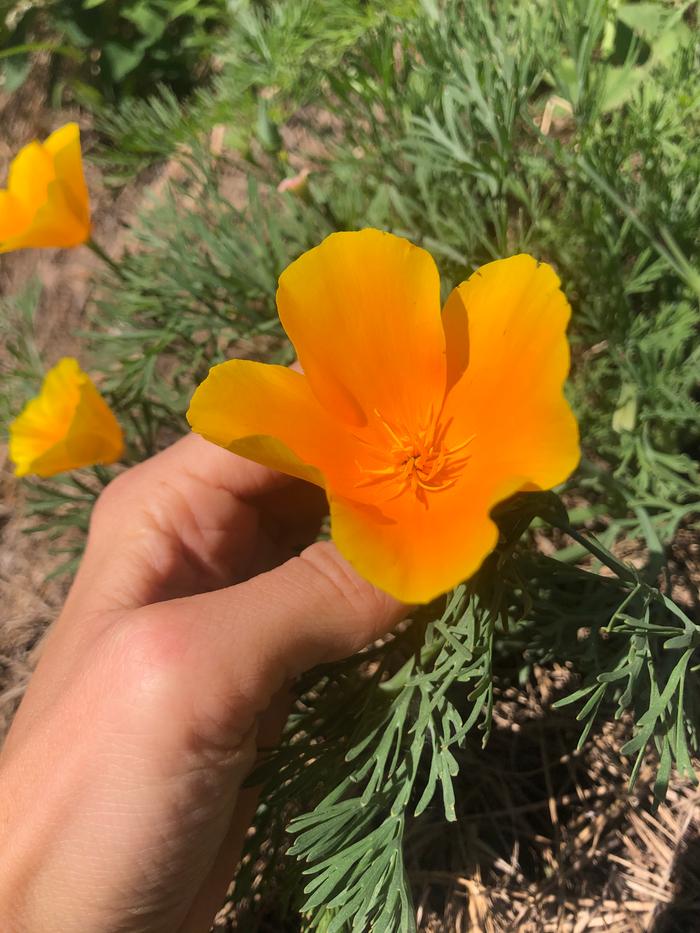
(121, 59)
(150, 24)
(625, 415)
(448, 792)
(573, 697)
(15, 72)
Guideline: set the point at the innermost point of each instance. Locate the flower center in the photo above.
(419, 461)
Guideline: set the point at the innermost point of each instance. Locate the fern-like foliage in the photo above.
(429, 120)
(374, 742)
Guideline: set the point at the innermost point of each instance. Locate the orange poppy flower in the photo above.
(46, 202)
(67, 426)
(415, 422)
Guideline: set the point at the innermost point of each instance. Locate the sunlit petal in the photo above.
(416, 550)
(46, 203)
(269, 414)
(363, 312)
(67, 426)
(510, 396)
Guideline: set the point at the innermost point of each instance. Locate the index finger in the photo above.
(196, 458)
(194, 517)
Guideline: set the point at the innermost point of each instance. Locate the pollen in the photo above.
(419, 460)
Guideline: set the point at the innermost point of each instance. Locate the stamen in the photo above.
(453, 450)
(418, 462)
(400, 443)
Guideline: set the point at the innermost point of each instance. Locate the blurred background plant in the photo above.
(569, 130)
(108, 50)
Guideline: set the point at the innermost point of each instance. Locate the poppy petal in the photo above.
(268, 414)
(46, 203)
(67, 426)
(456, 327)
(95, 435)
(13, 216)
(64, 146)
(416, 551)
(363, 312)
(44, 420)
(53, 225)
(510, 396)
(30, 173)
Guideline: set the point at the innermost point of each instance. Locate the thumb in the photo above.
(239, 645)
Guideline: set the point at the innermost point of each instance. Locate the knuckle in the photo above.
(110, 499)
(148, 650)
(152, 674)
(159, 683)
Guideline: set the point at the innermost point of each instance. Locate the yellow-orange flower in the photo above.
(46, 202)
(67, 426)
(416, 423)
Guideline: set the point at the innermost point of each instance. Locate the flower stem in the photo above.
(98, 251)
(594, 547)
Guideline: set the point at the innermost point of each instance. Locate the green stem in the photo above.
(98, 251)
(595, 548)
(29, 47)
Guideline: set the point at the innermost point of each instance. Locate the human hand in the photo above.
(121, 806)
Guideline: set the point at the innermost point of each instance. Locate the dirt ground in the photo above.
(555, 844)
(29, 597)
(28, 600)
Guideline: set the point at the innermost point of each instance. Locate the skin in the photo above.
(120, 800)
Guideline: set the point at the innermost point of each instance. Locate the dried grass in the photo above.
(570, 849)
